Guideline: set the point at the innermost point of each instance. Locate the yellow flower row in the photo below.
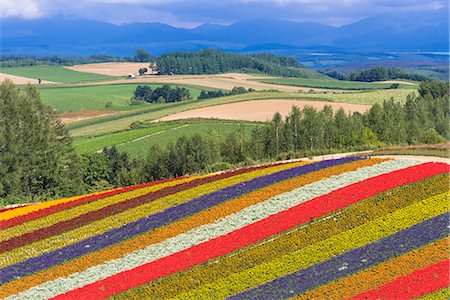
(380, 274)
(118, 220)
(442, 294)
(24, 210)
(335, 245)
(76, 211)
(176, 228)
(302, 237)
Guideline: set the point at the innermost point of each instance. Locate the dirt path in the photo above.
(22, 80)
(418, 157)
(413, 157)
(152, 134)
(258, 110)
(395, 81)
(75, 116)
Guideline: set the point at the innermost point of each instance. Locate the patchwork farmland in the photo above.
(344, 228)
(268, 158)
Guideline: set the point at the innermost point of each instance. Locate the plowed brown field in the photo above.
(258, 110)
(82, 115)
(111, 69)
(21, 80)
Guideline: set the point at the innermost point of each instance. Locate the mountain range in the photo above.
(424, 31)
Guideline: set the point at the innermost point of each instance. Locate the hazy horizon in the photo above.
(192, 14)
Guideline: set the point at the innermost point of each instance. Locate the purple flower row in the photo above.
(352, 261)
(151, 222)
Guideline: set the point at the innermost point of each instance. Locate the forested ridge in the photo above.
(211, 61)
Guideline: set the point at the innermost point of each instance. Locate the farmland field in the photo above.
(155, 111)
(21, 80)
(78, 98)
(344, 228)
(92, 144)
(137, 142)
(140, 147)
(260, 110)
(55, 74)
(366, 97)
(110, 68)
(224, 81)
(331, 83)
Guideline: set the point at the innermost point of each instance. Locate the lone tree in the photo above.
(142, 71)
(141, 55)
(37, 159)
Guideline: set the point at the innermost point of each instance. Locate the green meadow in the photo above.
(55, 73)
(95, 97)
(137, 142)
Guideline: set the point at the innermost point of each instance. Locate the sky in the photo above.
(191, 13)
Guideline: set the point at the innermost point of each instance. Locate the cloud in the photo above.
(28, 9)
(190, 13)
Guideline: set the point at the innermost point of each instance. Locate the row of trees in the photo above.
(211, 61)
(164, 94)
(8, 60)
(237, 90)
(13, 60)
(38, 161)
(377, 74)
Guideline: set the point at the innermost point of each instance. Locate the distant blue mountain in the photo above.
(426, 31)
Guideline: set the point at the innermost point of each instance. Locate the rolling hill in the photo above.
(423, 31)
(345, 228)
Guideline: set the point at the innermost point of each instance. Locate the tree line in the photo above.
(14, 60)
(163, 94)
(376, 74)
(211, 61)
(237, 90)
(38, 161)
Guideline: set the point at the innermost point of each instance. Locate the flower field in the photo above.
(347, 228)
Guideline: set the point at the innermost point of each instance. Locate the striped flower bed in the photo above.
(337, 229)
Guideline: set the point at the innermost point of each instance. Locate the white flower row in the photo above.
(207, 232)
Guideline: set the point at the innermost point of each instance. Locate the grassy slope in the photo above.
(83, 145)
(139, 148)
(67, 99)
(54, 73)
(329, 83)
(137, 142)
